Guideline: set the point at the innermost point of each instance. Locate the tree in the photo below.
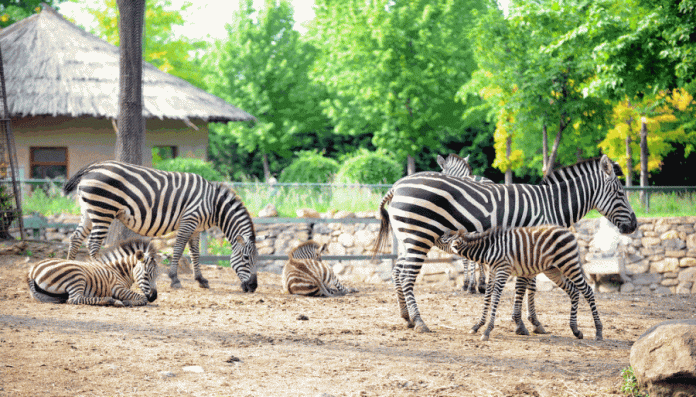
(393, 69)
(12, 11)
(162, 48)
(264, 65)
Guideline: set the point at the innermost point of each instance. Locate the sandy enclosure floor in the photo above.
(222, 342)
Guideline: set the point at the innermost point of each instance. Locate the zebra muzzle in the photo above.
(152, 296)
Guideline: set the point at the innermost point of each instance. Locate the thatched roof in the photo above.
(54, 68)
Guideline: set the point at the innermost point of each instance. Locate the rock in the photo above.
(646, 278)
(684, 288)
(609, 287)
(687, 262)
(687, 275)
(691, 242)
(269, 211)
(166, 374)
(347, 240)
(307, 213)
(660, 290)
(627, 288)
(194, 368)
(664, 359)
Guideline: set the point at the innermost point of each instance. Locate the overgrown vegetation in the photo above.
(366, 167)
(192, 165)
(310, 167)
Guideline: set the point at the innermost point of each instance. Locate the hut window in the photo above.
(160, 153)
(48, 162)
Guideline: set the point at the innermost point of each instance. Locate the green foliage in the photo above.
(629, 386)
(369, 168)
(194, 166)
(12, 11)
(49, 204)
(310, 167)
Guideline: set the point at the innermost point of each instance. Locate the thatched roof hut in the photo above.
(54, 68)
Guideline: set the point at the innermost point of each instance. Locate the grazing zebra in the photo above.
(104, 281)
(306, 274)
(154, 203)
(525, 252)
(456, 166)
(426, 205)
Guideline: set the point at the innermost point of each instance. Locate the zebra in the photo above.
(104, 281)
(424, 206)
(457, 166)
(154, 203)
(525, 252)
(306, 274)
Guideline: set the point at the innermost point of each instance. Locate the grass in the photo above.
(289, 198)
(629, 386)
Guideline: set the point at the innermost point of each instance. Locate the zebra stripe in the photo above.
(155, 203)
(454, 165)
(426, 205)
(104, 281)
(306, 274)
(525, 252)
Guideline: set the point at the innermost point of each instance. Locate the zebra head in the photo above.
(454, 165)
(146, 272)
(243, 261)
(611, 200)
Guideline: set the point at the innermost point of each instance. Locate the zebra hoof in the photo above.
(599, 337)
(203, 283)
(176, 284)
(421, 328)
(539, 329)
(482, 289)
(473, 331)
(118, 303)
(521, 330)
(484, 338)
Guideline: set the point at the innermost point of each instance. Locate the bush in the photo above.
(369, 168)
(194, 166)
(310, 167)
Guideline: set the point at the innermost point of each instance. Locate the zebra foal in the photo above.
(525, 252)
(154, 203)
(104, 281)
(306, 274)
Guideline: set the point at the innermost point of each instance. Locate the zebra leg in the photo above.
(79, 235)
(468, 276)
(129, 297)
(186, 228)
(555, 275)
(482, 278)
(193, 244)
(409, 272)
(77, 297)
(531, 309)
(500, 280)
(97, 236)
(396, 278)
(520, 288)
(577, 281)
(486, 304)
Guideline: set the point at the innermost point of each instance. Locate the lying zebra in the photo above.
(104, 281)
(306, 274)
(525, 252)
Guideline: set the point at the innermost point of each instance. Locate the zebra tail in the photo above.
(41, 297)
(384, 224)
(72, 183)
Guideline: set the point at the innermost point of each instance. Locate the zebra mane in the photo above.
(548, 179)
(133, 244)
(303, 246)
(473, 236)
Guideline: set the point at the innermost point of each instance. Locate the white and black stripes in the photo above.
(424, 206)
(524, 252)
(306, 274)
(103, 281)
(154, 203)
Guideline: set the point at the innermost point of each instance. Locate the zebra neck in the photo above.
(124, 268)
(478, 249)
(568, 201)
(233, 218)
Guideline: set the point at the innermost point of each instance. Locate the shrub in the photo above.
(369, 168)
(194, 166)
(310, 167)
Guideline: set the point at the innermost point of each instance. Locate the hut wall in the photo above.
(90, 139)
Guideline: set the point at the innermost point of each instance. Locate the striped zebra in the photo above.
(524, 252)
(454, 165)
(154, 203)
(104, 281)
(424, 206)
(306, 274)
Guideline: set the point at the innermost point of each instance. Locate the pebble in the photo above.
(194, 368)
(167, 374)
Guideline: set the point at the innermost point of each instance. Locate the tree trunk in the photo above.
(130, 135)
(629, 155)
(266, 168)
(644, 160)
(508, 152)
(545, 147)
(410, 165)
(554, 150)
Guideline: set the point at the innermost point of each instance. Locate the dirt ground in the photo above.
(223, 342)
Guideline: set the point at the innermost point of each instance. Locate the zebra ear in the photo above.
(607, 165)
(139, 255)
(441, 161)
(467, 158)
(240, 240)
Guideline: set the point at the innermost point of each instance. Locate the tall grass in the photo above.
(49, 201)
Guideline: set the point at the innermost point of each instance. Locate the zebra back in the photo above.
(307, 250)
(306, 274)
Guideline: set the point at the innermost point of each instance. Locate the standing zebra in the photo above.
(154, 203)
(525, 252)
(454, 165)
(306, 274)
(104, 281)
(426, 205)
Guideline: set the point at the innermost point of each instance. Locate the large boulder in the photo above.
(664, 359)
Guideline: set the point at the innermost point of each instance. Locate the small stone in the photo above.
(627, 288)
(166, 374)
(302, 317)
(194, 368)
(233, 359)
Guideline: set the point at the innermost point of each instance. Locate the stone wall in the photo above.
(660, 256)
